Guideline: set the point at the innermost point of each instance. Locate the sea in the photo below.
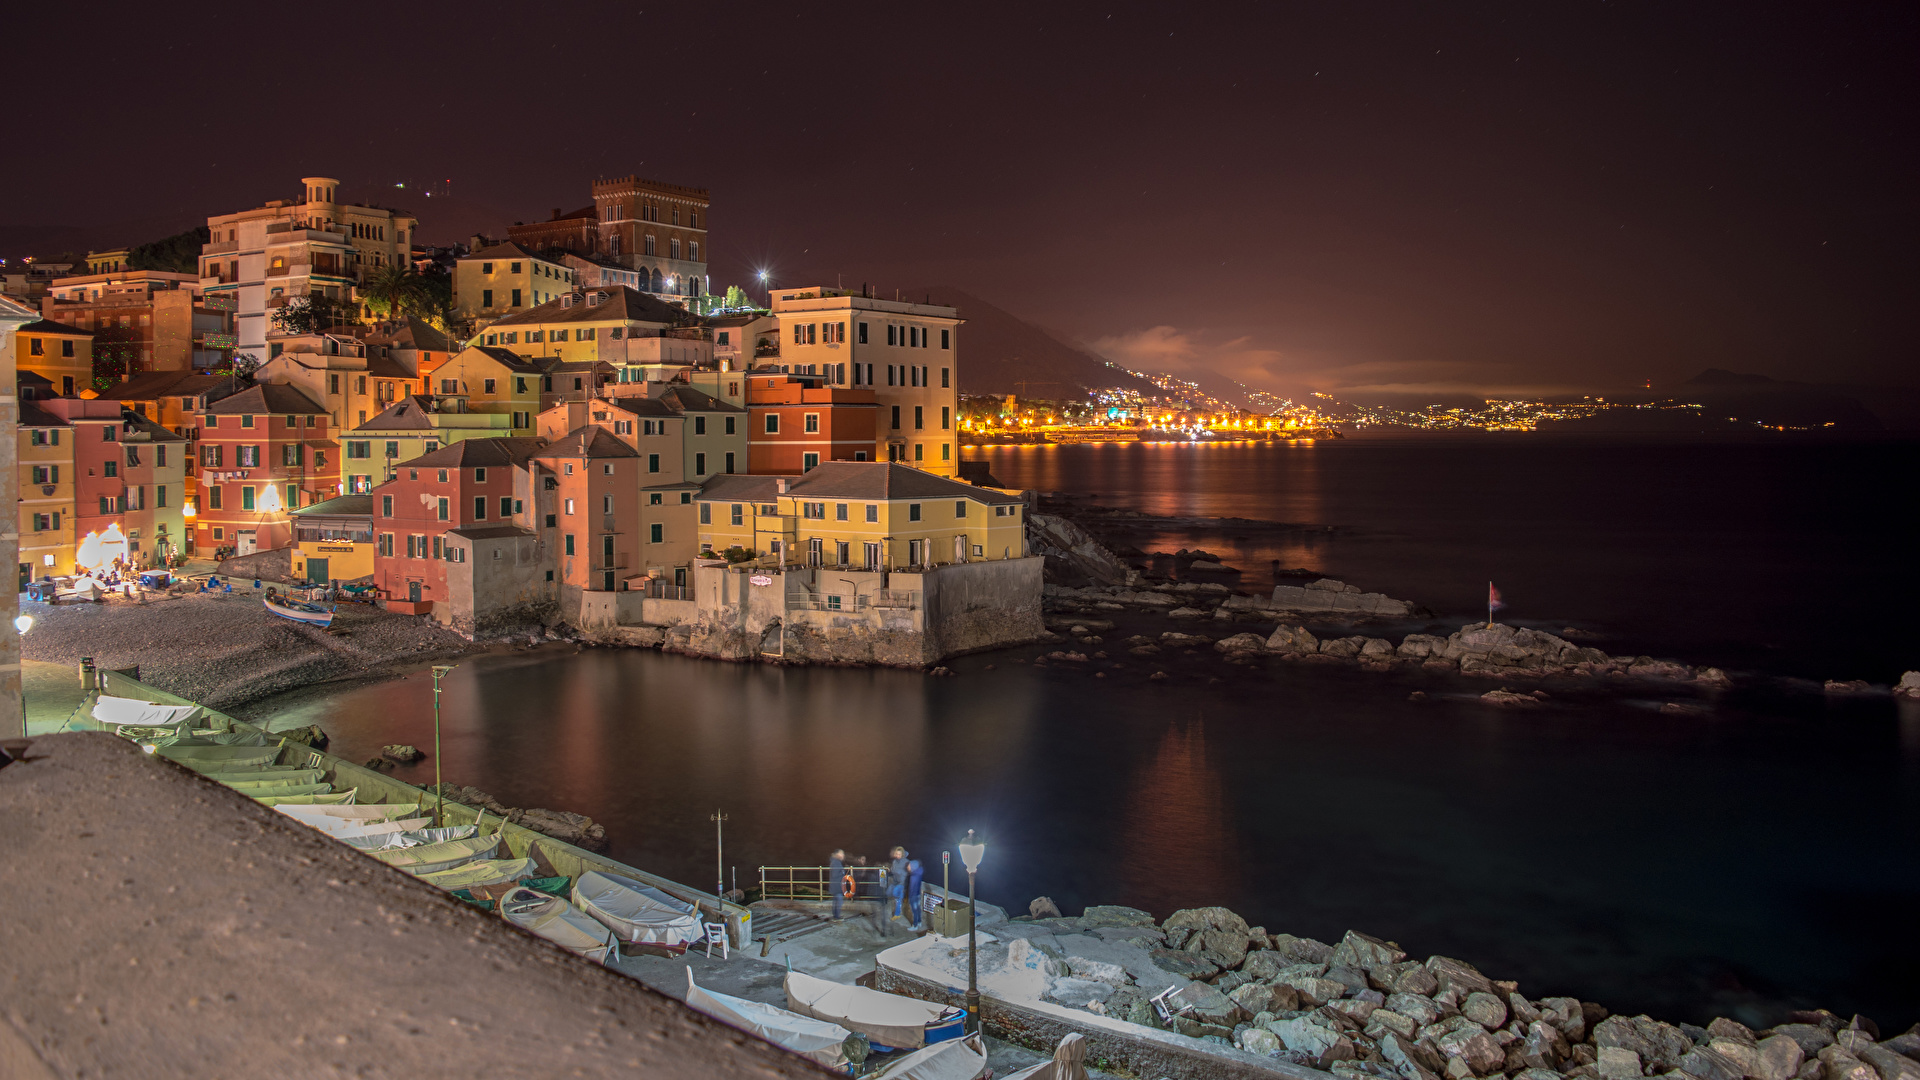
(1757, 854)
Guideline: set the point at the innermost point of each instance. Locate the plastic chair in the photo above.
(716, 935)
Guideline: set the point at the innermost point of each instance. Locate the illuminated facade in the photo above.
(644, 225)
(263, 452)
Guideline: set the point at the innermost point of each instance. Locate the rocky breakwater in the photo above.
(1328, 595)
(1363, 1009)
(1495, 651)
(563, 825)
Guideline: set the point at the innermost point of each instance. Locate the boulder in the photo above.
(1079, 993)
(1484, 1009)
(1412, 1060)
(1198, 1001)
(1187, 613)
(1242, 643)
(1257, 997)
(1453, 973)
(1660, 1046)
(564, 826)
(1812, 1069)
(1114, 915)
(1298, 950)
(1384, 1020)
(1097, 970)
(1357, 950)
(1544, 1047)
(1890, 1065)
(1322, 1046)
(1842, 1065)
(1474, 1047)
(1264, 964)
(311, 735)
(1907, 1042)
(1908, 687)
(1184, 964)
(1777, 1057)
(1522, 1009)
(1293, 639)
(404, 753)
(1619, 1063)
(1172, 638)
(1357, 1009)
(1709, 1064)
(1314, 992)
(1744, 1055)
(1416, 981)
(1421, 646)
(1226, 948)
(1421, 1010)
(1344, 648)
(1853, 1039)
(1043, 907)
(1206, 918)
(1566, 1014)
(1355, 981)
(1256, 1040)
(1509, 700)
(1812, 1038)
(1374, 648)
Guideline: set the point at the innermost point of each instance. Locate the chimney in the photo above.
(556, 213)
(780, 485)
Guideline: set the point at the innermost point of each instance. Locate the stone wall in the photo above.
(498, 589)
(983, 605)
(275, 565)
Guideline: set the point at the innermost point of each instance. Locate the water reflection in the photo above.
(1178, 840)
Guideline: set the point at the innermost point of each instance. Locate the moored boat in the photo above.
(553, 918)
(637, 912)
(298, 610)
(824, 1041)
(890, 1020)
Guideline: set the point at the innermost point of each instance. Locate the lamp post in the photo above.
(439, 792)
(970, 852)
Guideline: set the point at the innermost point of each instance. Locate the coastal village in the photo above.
(586, 442)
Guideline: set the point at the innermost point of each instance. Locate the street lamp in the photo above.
(439, 792)
(970, 852)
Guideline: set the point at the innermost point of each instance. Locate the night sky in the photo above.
(1435, 198)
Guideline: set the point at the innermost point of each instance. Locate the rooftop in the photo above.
(875, 481)
(468, 453)
(48, 326)
(622, 303)
(339, 506)
(273, 398)
(588, 442)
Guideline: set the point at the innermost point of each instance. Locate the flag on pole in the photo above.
(1493, 598)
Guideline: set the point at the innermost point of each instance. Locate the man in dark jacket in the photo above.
(836, 878)
(914, 873)
(897, 880)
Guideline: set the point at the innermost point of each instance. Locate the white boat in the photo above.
(338, 798)
(362, 813)
(637, 912)
(556, 920)
(480, 872)
(432, 858)
(821, 1040)
(298, 610)
(964, 1058)
(274, 787)
(890, 1020)
(207, 759)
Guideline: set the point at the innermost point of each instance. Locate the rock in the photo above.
(1374, 648)
(1187, 613)
(1544, 1047)
(1412, 1060)
(1158, 676)
(1229, 981)
(1889, 1064)
(402, 753)
(1197, 1029)
(1359, 1009)
(1141, 1012)
(1345, 648)
(1473, 1046)
(1043, 907)
(311, 735)
(1206, 918)
(1097, 971)
(1257, 997)
(1079, 993)
(1853, 1040)
(1322, 1046)
(1256, 1040)
(1457, 973)
(1357, 950)
(1355, 981)
(1660, 1046)
(1510, 700)
(1226, 948)
(1536, 1074)
(1709, 1064)
(1777, 1057)
(564, 826)
(1185, 964)
(1811, 1038)
(1812, 1069)
(1820, 1018)
(1847, 686)
(1264, 964)
(1713, 677)
(1565, 1013)
(376, 763)
(1842, 1065)
(1416, 981)
(1385, 1019)
(1908, 687)
(1421, 1010)
(1242, 643)
(1114, 915)
(1313, 991)
(1907, 1043)
(1299, 950)
(1484, 1009)
(1745, 1056)
(1421, 646)
(1618, 1063)
(1171, 638)
(1522, 1009)
(1382, 976)
(1198, 1001)
(1293, 639)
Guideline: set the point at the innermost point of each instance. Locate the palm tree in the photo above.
(396, 288)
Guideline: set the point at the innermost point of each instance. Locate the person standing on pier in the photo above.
(836, 878)
(914, 873)
(897, 879)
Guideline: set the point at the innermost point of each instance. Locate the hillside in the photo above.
(1004, 354)
(1733, 401)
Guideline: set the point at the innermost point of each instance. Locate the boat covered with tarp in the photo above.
(367, 840)
(298, 610)
(145, 721)
(338, 798)
(956, 1059)
(824, 1041)
(274, 787)
(481, 872)
(362, 813)
(553, 918)
(209, 759)
(889, 1020)
(284, 774)
(429, 858)
(635, 911)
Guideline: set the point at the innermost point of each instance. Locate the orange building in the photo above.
(795, 422)
(264, 452)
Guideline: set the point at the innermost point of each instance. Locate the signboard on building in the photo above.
(760, 579)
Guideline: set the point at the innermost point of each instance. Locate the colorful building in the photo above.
(475, 483)
(333, 540)
(45, 453)
(128, 482)
(415, 425)
(650, 227)
(597, 482)
(796, 422)
(494, 380)
(57, 352)
(617, 325)
(145, 321)
(264, 452)
(865, 515)
(505, 279)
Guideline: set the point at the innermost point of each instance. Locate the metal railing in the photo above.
(659, 589)
(810, 883)
(896, 598)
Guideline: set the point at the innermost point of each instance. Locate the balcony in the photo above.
(219, 341)
(224, 247)
(601, 562)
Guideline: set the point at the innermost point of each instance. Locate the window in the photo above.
(292, 454)
(516, 302)
(919, 451)
(706, 513)
(66, 347)
(896, 414)
(449, 386)
(656, 533)
(652, 500)
(814, 510)
(359, 483)
(699, 425)
(385, 546)
(873, 512)
(441, 508)
(487, 386)
(569, 544)
(736, 517)
(946, 451)
(36, 347)
(246, 497)
(945, 415)
(486, 268)
(729, 463)
(486, 298)
(359, 449)
(113, 468)
(606, 503)
(811, 423)
(506, 507)
(213, 497)
(479, 508)
(960, 508)
(106, 432)
(567, 507)
(809, 461)
(552, 522)
(729, 425)
(219, 533)
(653, 463)
(913, 511)
(699, 464)
(393, 449)
(917, 422)
(607, 469)
(773, 423)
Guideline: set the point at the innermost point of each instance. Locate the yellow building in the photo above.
(60, 353)
(872, 515)
(493, 380)
(333, 540)
(614, 325)
(415, 425)
(45, 455)
(504, 280)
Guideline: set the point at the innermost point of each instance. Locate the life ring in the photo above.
(846, 886)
